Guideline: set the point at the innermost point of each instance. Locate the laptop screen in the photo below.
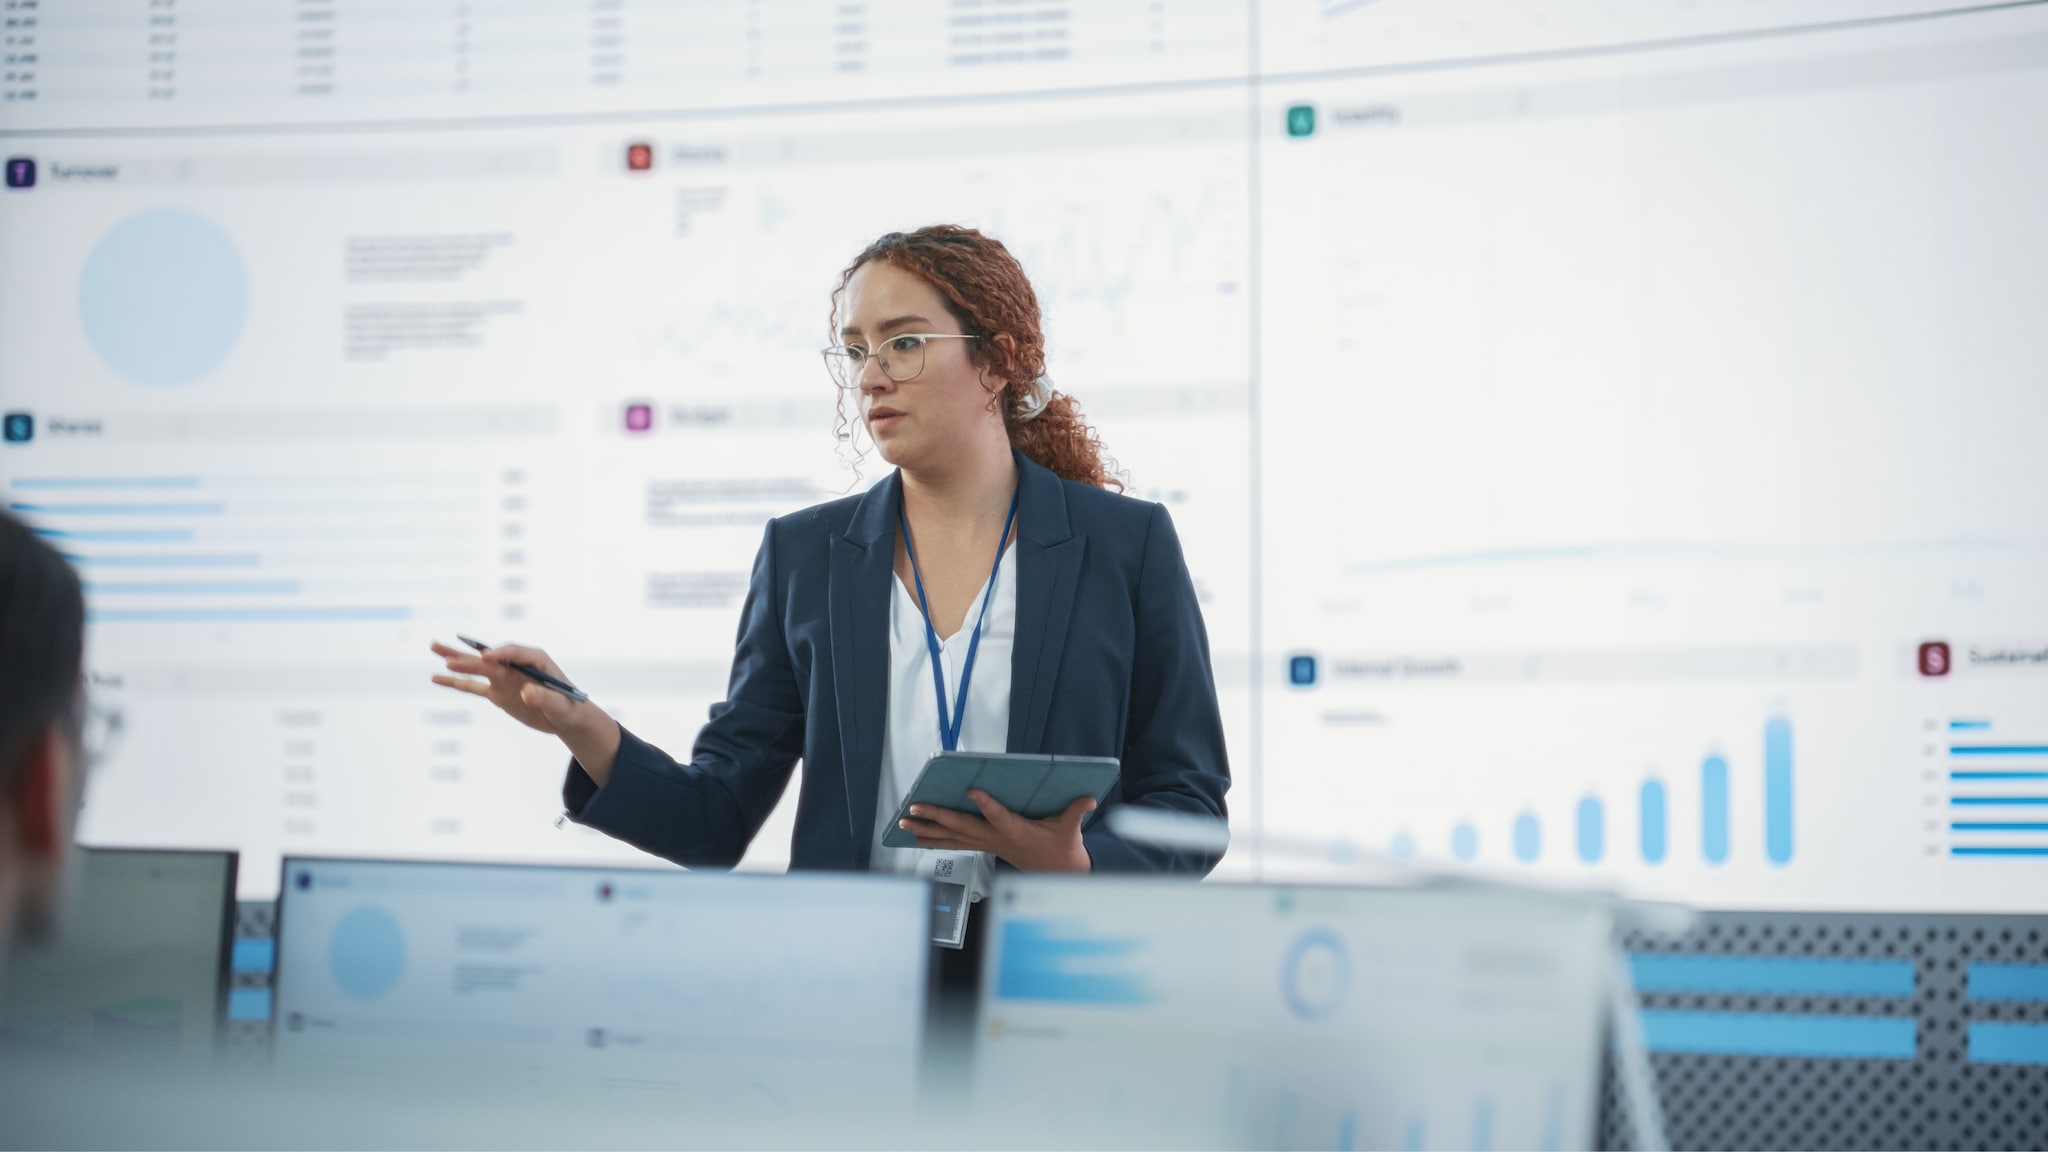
(1288, 1017)
(760, 986)
(138, 967)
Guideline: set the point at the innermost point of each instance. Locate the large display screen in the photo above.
(1603, 438)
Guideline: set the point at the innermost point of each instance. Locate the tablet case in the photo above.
(1031, 786)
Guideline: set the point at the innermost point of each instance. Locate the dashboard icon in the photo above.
(1935, 659)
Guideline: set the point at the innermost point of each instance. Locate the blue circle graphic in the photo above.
(164, 297)
(1465, 841)
(1316, 974)
(367, 953)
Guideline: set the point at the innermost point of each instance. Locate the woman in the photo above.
(1060, 616)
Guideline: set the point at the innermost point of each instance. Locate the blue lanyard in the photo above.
(949, 726)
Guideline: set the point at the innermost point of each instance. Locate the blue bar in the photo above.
(1049, 960)
(170, 560)
(1996, 826)
(1714, 809)
(1414, 1138)
(1778, 790)
(207, 509)
(1592, 830)
(1961, 851)
(255, 954)
(1528, 838)
(151, 535)
(1969, 725)
(1782, 1034)
(249, 1004)
(1482, 1126)
(2024, 982)
(238, 615)
(196, 588)
(2003, 1043)
(1770, 975)
(1653, 821)
(1997, 801)
(1989, 774)
(77, 482)
(1998, 750)
(1347, 1131)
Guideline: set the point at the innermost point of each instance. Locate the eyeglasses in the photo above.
(98, 730)
(103, 728)
(901, 357)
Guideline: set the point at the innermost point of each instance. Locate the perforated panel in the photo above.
(1937, 1099)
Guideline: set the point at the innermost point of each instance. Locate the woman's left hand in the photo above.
(1049, 845)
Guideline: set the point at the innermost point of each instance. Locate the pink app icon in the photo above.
(1934, 658)
(639, 417)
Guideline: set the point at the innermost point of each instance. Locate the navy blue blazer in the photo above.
(1111, 659)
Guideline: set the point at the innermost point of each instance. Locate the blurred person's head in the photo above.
(42, 720)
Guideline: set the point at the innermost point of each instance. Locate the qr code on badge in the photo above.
(943, 868)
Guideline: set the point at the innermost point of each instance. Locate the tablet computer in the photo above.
(1034, 787)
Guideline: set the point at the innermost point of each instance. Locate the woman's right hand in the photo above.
(529, 702)
(589, 731)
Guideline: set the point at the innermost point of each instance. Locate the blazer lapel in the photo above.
(862, 565)
(1048, 573)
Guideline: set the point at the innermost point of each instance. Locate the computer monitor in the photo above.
(138, 967)
(1284, 1017)
(736, 990)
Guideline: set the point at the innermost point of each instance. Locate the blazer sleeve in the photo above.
(705, 812)
(1173, 754)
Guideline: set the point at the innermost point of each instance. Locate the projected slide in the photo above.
(1678, 410)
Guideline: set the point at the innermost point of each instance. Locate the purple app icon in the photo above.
(639, 417)
(21, 172)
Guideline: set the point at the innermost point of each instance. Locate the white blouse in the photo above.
(912, 734)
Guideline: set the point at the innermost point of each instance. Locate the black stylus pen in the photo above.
(529, 671)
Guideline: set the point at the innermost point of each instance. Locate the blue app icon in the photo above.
(1301, 670)
(21, 427)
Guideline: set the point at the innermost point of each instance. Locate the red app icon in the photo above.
(1934, 658)
(639, 157)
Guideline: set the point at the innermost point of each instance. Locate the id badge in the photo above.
(949, 914)
(952, 876)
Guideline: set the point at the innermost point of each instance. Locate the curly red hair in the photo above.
(986, 290)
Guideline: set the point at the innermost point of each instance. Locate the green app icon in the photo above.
(1301, 120)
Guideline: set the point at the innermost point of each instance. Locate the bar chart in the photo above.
(1997, 792)
(270, 549)
(1590, 842)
